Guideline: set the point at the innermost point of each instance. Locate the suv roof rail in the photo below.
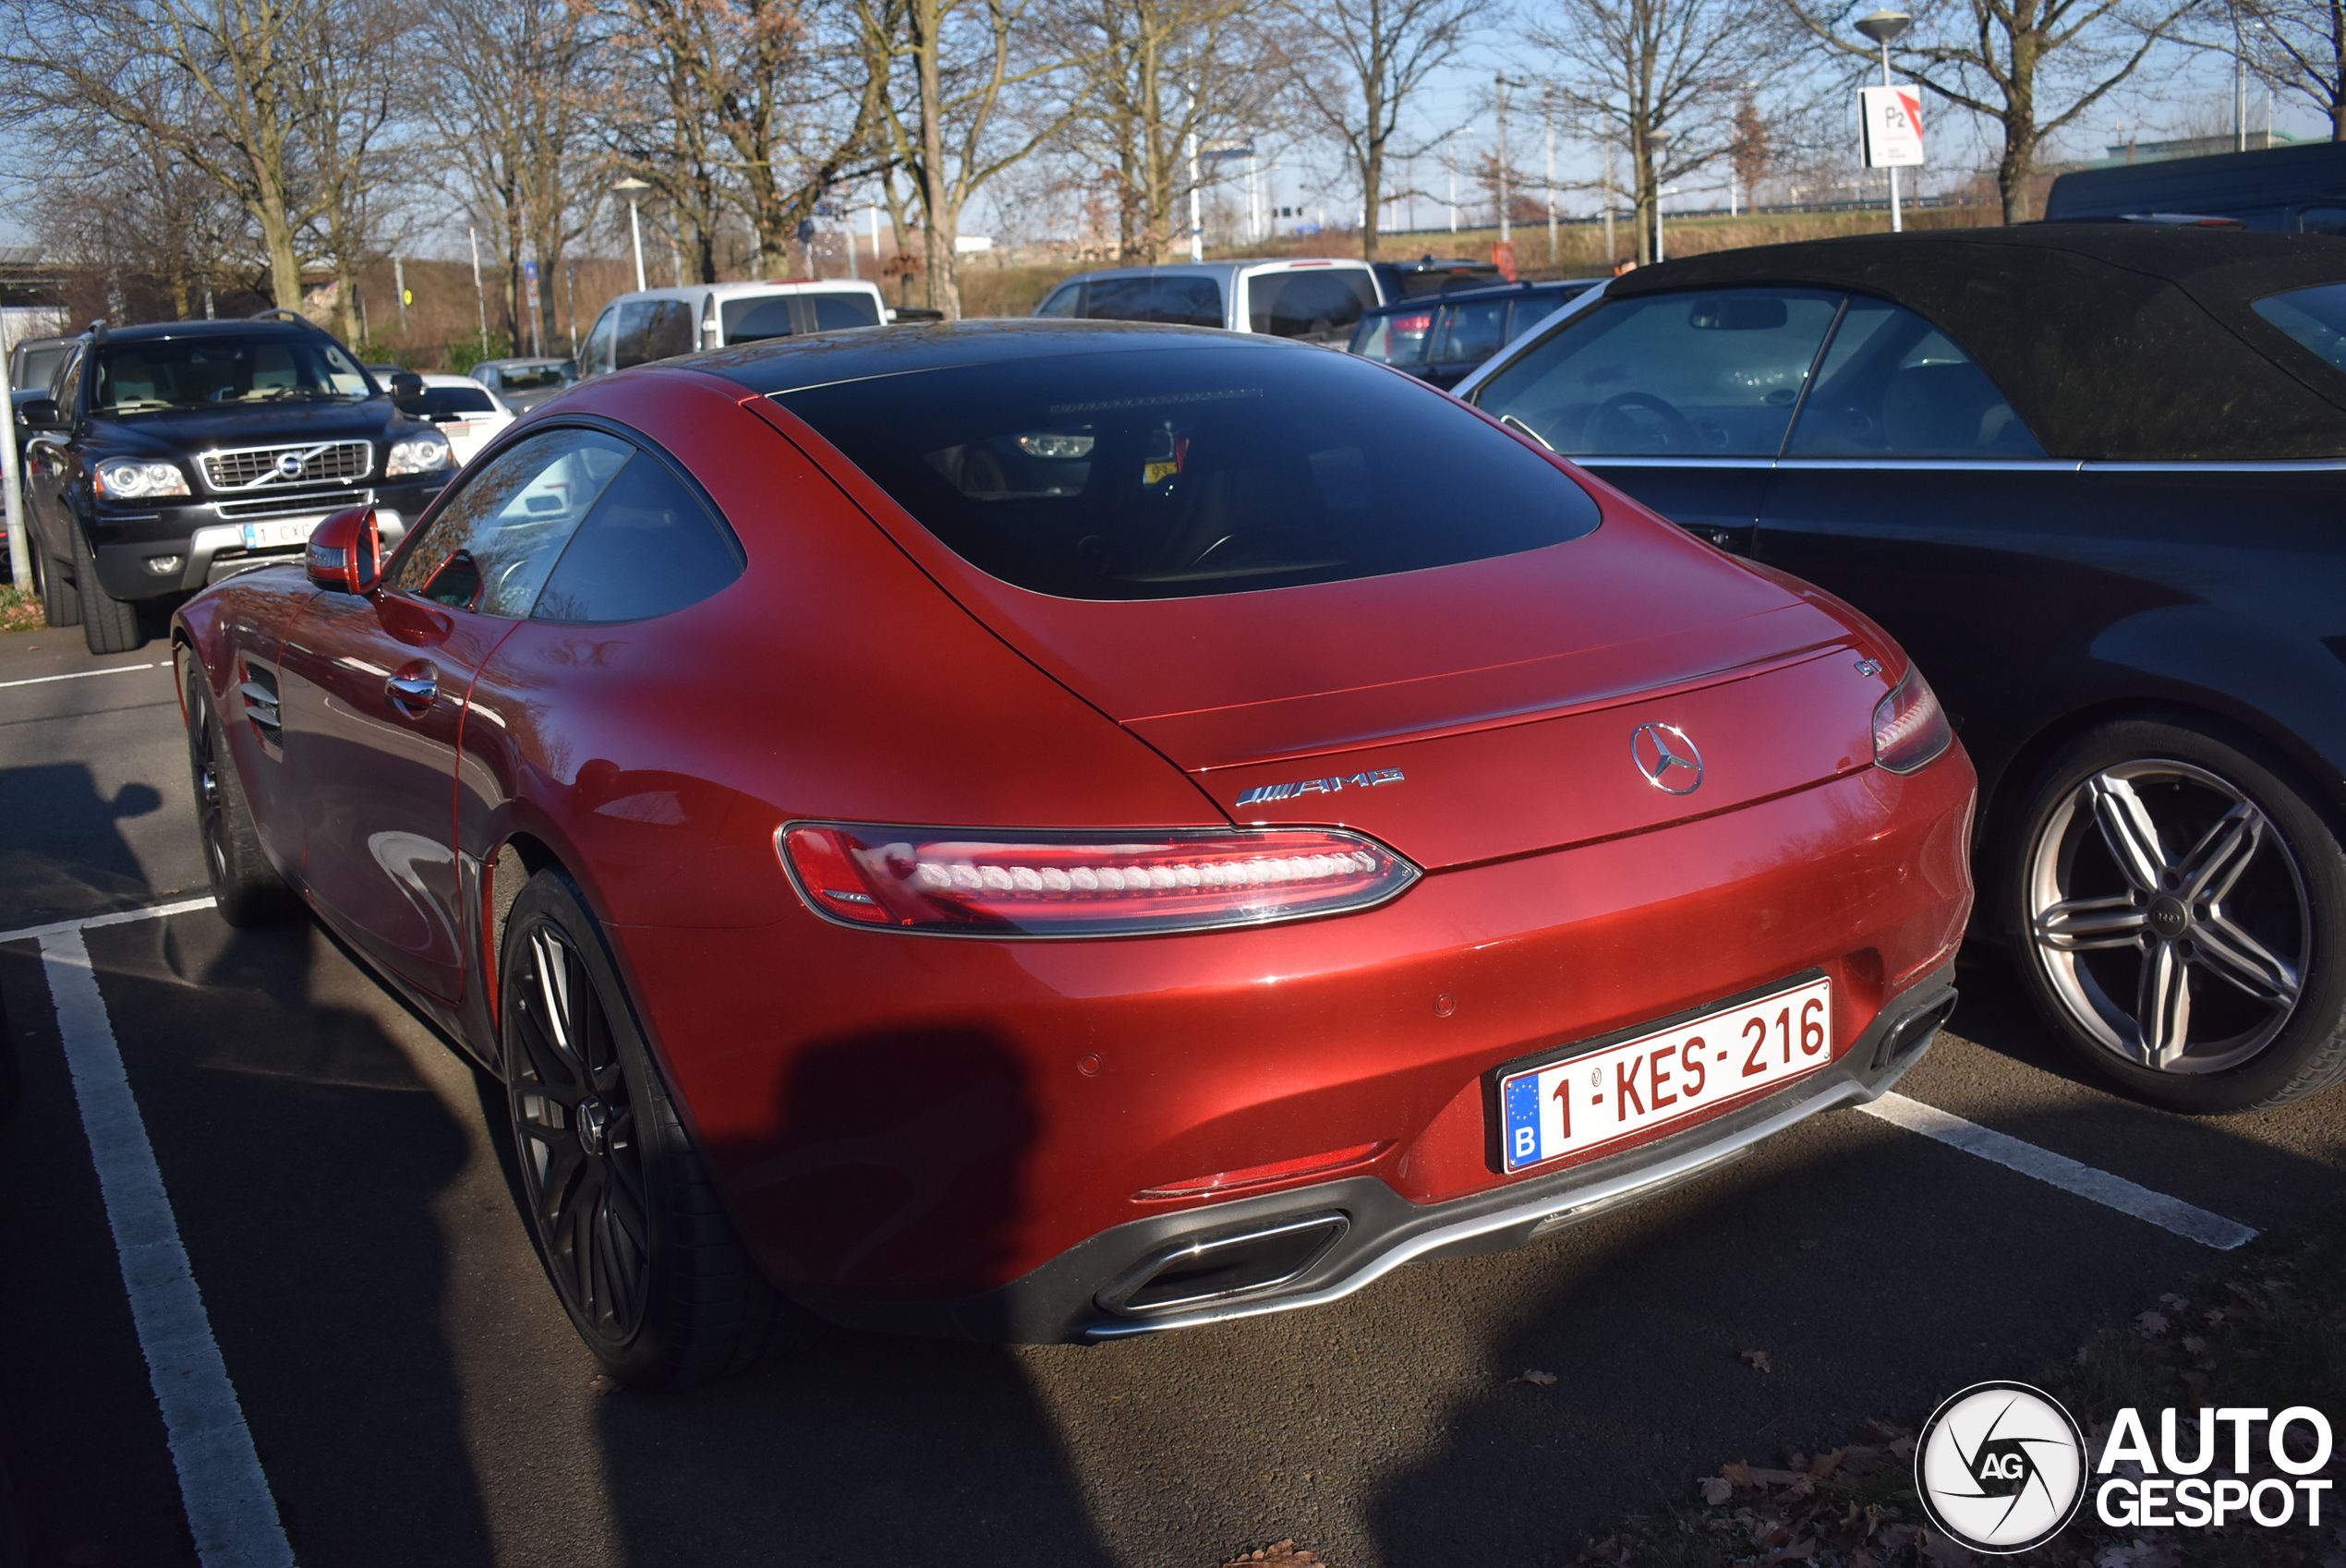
(279, 313)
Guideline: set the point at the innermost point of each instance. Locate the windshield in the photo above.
(1184, 472)
(188, 372)
(530, 378)
(2314, 317)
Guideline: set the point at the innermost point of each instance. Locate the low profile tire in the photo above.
(245, 887)
(625, 1218)
(109, 625)
(2182, 909)
(60, 600)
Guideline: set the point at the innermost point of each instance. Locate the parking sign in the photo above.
(1893, 118)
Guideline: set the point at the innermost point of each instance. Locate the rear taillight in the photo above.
(1910, 727)
(1022, 884)
(1422, 321)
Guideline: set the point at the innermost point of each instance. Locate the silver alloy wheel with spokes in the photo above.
(574, 1129)
(2170, 917)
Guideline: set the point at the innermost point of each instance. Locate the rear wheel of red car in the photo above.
(2181, 905)
(244, 888)
(626, 1219)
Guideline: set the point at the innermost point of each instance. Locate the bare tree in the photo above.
(1663, 80)
(2299, 48)
(1164, 74)
(1362, 64)
(2032, 66)
(958, 73)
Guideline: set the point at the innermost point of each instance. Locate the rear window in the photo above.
(1319, 307)
(1183, 472)
(746, 321)
(39, 366)
(2315, 317)
(448, 403)
(836, 310)
(1183, 302)
(653, 328)
(1398, 337)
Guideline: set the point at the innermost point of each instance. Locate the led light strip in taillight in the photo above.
(1069, 884)
(1910, 729)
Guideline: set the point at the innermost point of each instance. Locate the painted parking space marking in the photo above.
(229, 1507)
(112, 917)
(2183, 1219)
(80, 674)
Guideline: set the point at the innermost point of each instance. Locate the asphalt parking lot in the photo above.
(415, 1394)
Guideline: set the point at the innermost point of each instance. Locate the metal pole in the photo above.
(1548, 105)
(2240, 104)
(19, 547)
(570, 291)
(1505, 236)
(1197, 212)
(1608, 204)
(399, 281)
(479, 299)
(636, 228)
(1897, 222)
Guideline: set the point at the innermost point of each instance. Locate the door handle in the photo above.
(413, 688)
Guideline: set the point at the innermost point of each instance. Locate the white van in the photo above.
(659, 324)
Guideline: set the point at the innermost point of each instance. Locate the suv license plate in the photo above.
(280, 533)
(1587, 1102)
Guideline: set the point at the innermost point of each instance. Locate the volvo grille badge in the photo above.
(1667, 758)
(289, 465)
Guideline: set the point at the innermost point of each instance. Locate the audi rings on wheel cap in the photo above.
(1667, 758)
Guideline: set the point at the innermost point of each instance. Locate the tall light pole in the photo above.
(1657, 141)
(480, 296)
(1883, 27)
(633, 189)
(12, 475)
(1548, 112)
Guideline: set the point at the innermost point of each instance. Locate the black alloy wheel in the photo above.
(625, 1219)
(246, 888)
(2183, 915)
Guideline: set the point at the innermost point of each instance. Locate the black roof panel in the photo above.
(780, 365)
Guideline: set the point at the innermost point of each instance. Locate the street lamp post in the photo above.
(1657, 141)
(1883, 27)
(633, 189)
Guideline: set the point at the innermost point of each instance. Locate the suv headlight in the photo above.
(419, 454)
(126, 480)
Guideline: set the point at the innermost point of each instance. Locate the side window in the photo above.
(836, 310)
(1471, 332)
(766, 316)
(650, 547)
(652, 329)
(1688, 375)
(595, 357)
(1319, 307)
(491, 547)
(1066, 300)
(68, 390)
(1184, 302)
(1531, 309)
(2322, 221)
(1397, 337)
(1892, 385)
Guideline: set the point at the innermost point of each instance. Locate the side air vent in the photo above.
(260, 693)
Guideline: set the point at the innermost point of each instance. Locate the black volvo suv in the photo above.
(173, 455)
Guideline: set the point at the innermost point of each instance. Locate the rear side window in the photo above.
(833, 311)
(1685, 374)
(1318, 307)
(39, 366)
(653, 328)
(746, 321)
(1183, 302)
(1531, 309)
(1064, 301)
(1176, 473)
(1892, 385)
(1471, 332)
(2314, 317)
(648, 547)
(595, 354)
(491, 547)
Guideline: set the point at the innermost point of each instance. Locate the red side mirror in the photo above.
(345, 551)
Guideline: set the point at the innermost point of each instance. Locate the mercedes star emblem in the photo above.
(1667, 758)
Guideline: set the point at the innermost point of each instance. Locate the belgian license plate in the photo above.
(1670, 1075)
(278, 532)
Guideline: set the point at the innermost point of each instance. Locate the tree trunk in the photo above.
(2012, 171)
(940, 224)
(277, 240)
(1371, 196)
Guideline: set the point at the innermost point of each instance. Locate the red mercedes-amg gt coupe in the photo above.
(1052, 831)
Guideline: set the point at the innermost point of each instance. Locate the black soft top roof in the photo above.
(2113, 341)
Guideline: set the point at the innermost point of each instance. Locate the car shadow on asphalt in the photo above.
(307, 1161)
(859, 1446)
(60, 847)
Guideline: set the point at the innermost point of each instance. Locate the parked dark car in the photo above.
(2299, 189)
(176, 454)
(2091, 476)
(1443, 340)
(33, 362)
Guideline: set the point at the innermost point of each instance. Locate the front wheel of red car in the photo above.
(625, 1218)
(2181, 909)
(246, 889)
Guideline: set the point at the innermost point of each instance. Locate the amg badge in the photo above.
(1319, 785)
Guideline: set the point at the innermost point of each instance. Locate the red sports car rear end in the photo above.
(1132, 826)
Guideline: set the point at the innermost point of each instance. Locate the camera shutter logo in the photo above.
(2001, 1467)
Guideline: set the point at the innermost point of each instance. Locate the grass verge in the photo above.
(20, 610)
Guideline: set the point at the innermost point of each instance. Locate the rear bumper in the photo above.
(1340, 1236)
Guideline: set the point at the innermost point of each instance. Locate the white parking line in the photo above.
(2070, 1175)
(115, 917)
(79, 674)
(221, 1484)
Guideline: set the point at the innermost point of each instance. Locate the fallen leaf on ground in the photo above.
(1941, 1552)
(2172, 1300)
(1760, 1359)
(1824, 1464)
(1277, 1552)
(2196, 1344)
(1717, 1490)
(1535, 1377)
(603, 1383)
(2152, 1323)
